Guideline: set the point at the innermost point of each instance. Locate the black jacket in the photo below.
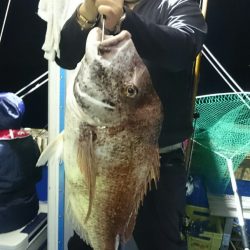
(167, 35)
(18, 176)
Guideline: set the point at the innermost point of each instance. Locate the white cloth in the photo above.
(55, 13)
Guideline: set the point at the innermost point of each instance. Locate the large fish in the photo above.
(110, 141)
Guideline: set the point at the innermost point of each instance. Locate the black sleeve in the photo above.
(175, 39)
(72, 44)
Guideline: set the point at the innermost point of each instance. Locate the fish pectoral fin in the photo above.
(53, 152)
(85, 160)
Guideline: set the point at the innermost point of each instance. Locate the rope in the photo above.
(5, 17)
(223, 69)
(33, 82)
(227, 74)
(36, 87)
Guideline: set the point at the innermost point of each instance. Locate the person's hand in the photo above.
(112, 10)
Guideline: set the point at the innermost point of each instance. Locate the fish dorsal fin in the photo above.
(53, 152)
(85, 160)
(154, 173)
(153, 159)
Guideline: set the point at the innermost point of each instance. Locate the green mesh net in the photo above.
(222, 133)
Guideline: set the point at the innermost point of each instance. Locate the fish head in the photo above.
(113, 82)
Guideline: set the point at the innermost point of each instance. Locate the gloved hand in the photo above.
(111, 9)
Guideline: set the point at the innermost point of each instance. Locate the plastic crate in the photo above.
(205, 240)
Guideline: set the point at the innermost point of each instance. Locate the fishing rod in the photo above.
(196, 75)
(35, 88)
(32, 83)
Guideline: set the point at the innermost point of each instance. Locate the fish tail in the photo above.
(53, 152)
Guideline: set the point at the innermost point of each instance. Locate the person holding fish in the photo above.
(167, 34)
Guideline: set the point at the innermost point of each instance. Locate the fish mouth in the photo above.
(109, 47)
(113, 42)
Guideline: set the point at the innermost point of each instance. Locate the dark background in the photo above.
(21, 57)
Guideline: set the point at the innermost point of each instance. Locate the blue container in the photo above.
(198, 193)
(243, 188)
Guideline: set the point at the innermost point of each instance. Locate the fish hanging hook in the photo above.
(103, 27)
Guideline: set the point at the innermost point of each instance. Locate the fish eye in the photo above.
(131, 91)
